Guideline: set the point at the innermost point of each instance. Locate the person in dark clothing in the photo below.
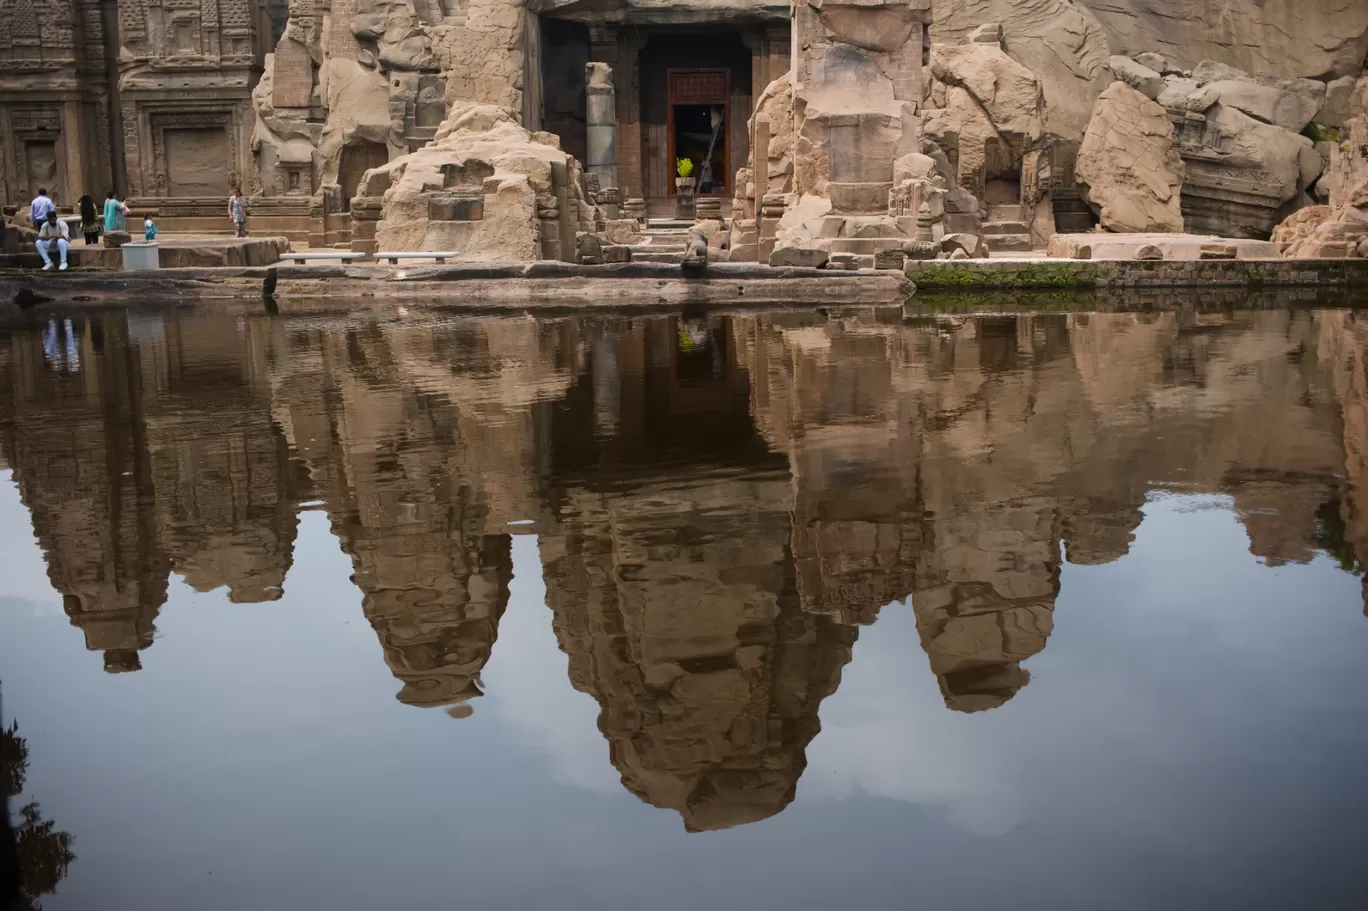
(90, 220)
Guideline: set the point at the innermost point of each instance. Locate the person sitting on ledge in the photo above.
(53, 234)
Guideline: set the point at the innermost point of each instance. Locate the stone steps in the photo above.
(991, 228)
(999, 212)
(999, 243)
(658, 256)
(1072, 214)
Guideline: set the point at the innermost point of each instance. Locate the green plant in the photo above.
(1319, 132)
(684, 167)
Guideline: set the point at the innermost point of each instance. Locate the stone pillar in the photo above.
(601, 124)
(532, 72)
(73, 142)
(607, 385)
(780, 49)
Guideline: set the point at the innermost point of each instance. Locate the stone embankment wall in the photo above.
(959, 274)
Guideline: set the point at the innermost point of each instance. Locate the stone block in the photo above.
(798, 256)
(116, 238)
(1149, 252)
(617, 253)
(1136, 75)
(890, 259)
(622, 230)
(969, 243)
(1217, 251)
(921, 250)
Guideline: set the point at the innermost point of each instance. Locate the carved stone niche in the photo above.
(37, 154)
(193, 152)
(463, 192)
(417, 107)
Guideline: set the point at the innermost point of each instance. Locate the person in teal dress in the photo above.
(114, 212)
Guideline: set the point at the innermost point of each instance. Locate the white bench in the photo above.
(343, 255)
(440, 255)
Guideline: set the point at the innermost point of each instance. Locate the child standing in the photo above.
(149, 229)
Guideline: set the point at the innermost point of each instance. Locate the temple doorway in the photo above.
(358, 157)
(697, 120)
(695, 101)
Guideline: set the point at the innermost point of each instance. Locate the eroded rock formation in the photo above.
(1128, 164)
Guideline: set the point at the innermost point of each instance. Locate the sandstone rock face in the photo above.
(1315, 38)
(486, 188)
(1061, 41)
(1336, 109)
(1129, 165)
(981, 101)
(1289, 104)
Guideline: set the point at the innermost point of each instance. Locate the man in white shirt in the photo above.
(53, 233)
(40, 207)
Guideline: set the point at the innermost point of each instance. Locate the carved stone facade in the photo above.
(150, 98)
(55, 109)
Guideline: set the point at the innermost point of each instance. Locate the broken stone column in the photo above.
(856, 83)
(601, 124)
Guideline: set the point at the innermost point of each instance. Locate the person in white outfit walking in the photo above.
(54, 234)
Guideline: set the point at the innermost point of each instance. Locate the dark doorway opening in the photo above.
(700, 135)
(358, 158)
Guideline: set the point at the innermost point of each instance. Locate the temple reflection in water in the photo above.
(720, 503)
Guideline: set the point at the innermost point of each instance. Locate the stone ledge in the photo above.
(942, 275)
(465, 286)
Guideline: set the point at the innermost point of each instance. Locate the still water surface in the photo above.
(779, 610)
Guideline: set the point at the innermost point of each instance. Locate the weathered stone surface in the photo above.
(1136, 75)
(799, 256)
(1342, 234)
(1060, 41)
(1128, 164)
(1300, 224)
(1149, 252)
(1241, 172)
(889, 259)
(1290, 38)
(529, 193)
(969, 243)
(1336, 109)
(1177, 90)
(1175, 247)
(1157, 62)
(623, 230)
(1291, 108)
